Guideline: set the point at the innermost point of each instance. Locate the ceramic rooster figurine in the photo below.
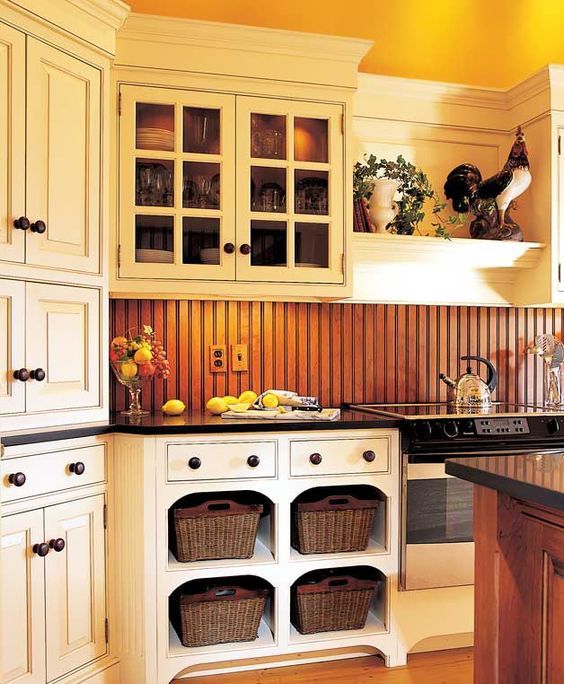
(490, 199)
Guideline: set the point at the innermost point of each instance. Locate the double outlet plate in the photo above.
(218, 358)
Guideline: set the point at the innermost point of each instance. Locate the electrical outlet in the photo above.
(218, 358)
(239, 358)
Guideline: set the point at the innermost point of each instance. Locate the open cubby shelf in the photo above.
(373, 626)
(265, 639)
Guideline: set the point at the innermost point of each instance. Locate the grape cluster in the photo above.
(160, 362)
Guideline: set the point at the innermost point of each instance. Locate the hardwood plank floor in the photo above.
(440, 667)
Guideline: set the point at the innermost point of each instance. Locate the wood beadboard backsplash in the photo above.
(338, 352)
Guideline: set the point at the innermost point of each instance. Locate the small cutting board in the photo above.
(265, 414)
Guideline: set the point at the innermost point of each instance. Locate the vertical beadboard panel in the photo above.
(339, 352)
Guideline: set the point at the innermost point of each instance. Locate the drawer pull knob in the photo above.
(77, 468)
(22, 375)
(41, 549)
(245, 249)
(229, 248)
(315, 459)
(194, 463)
(369, 456)
(57, 544)
(253, 461)
(38, 227)
(22, 223)
(37, 374)
(17, 479)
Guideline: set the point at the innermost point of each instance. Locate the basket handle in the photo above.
(220, 505)
(337, 583)
(335, 501)
(228, 591)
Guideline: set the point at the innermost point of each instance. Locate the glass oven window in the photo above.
(439, 511)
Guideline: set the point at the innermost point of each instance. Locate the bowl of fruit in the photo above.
(136, 358)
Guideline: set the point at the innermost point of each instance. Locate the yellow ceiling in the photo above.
(478, 42)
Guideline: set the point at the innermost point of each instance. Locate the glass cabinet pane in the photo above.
(312, 245)
(154, 127)
(311, 140)
(154, 239)
(200, 240)
(201, 185)
(268, 189)
(268, 243)
(154, 183)
(201, 130)
(311, 192)
(268, 136)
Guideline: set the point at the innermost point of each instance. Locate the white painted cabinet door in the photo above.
(63, 338)
(63, 159)
(12, 142)
(23, 600)
(12, 345)
(75, 585)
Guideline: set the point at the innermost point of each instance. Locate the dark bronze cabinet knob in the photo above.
(22, 223)
(37, 374)
(245, 249)
(315, 459)
(41, 549)
(38, 227)
(229, 248)
(57, 544)
(253, 461)
(17, 479)
(22, 375)
(77, 468)
(194, 463)
(369, 456)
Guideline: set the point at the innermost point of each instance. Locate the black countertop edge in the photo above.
(508, 485)
(199, 424)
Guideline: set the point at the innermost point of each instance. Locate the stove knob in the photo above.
(423, 429)
(553, 426)
(450, 429)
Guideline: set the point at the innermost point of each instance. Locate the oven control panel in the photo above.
(501, 426)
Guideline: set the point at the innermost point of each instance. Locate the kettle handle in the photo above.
(492, 373)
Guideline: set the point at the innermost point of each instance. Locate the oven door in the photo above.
(437, 541)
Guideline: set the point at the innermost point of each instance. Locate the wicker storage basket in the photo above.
(335, 603)
(336, 524)
(216, 529)
(219, 615)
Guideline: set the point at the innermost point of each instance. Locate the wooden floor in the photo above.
(442, 667)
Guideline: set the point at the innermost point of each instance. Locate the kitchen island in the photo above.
(519, 584)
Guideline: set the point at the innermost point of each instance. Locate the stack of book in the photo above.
(361, 220)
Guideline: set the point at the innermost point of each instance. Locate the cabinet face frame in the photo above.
(12, 345)
(128, 268)
(333, 113)
(23, 600)
(63, 159)
(12, 142)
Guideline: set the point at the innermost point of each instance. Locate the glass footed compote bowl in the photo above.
(134, 383)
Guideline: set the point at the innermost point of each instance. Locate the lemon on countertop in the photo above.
(270, 401)
(240, 408)
(173, 407)
(230, 400)
(247, 397)
(217, 406)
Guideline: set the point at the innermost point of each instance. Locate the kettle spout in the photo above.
(448, 381)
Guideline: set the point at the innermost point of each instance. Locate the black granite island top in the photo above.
(536, 477)
(201, 422)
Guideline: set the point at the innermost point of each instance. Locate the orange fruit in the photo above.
(119, 342)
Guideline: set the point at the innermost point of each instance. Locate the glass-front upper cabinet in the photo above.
(177, 184)
(290, 223)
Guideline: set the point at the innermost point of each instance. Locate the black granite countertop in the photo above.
(536, 477)
(200, 422)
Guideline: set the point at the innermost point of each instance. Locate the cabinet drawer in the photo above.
(339, 456)
(221, 460)
(51, 472)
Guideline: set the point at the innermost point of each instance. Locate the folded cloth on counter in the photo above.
(274, 414)
(289, 399)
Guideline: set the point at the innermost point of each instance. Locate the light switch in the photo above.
(218, 358)
(239, 358)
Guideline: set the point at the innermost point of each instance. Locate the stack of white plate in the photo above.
(155, 139)
(154, 256)
(210, 255)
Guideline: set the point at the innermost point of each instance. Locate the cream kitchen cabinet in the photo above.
(50, 200)
(49, 351)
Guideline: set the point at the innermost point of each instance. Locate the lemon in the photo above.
(128, 370)
(239, 408)
(174, 407)
(143, 355)
(247, 397)
(270, 401)
(230, 400)
(217, 405)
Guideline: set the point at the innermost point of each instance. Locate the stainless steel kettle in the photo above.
(470, 389)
